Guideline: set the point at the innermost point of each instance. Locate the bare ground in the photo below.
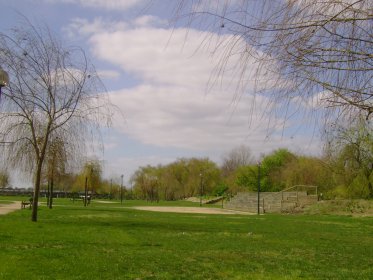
(7, 208)
(16, 205)
(198, 210)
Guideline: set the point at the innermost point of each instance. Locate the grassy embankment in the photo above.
(106, 241)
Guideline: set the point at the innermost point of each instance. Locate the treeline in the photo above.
(62, 181)
(345, 170)
(202, 177)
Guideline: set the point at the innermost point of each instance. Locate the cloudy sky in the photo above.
(163, 77)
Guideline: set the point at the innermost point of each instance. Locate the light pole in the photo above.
(4, 79)
(111, 189)
(258, 187)
(91, 182)
(200, 190)
(85, 191)
(121, 189)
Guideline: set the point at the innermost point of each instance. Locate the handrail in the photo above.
(296, 186)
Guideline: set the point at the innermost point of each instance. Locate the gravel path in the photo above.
(16, 205)
(7, 208)
(199, 210)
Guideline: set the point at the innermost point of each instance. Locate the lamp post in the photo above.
(4, 79)
(111, 189)
(200, 190)
(258, 187)
(121, 189)
(85, 191)
(92, 187)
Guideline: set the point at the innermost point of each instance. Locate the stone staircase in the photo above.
(273, 202)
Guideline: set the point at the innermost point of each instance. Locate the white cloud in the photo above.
(216, 7)
(170, 107)
(174, 117)
(102, 4)
(163, 56)
(149, 20)
(108, 74)
(83, 27)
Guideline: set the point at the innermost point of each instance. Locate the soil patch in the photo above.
(7, 208)
(198, 210)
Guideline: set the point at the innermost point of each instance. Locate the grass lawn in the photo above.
(2, 202)
(106, 241)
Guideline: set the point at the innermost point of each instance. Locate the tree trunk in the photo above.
(48, 193)
(34, 215)
(51, 195)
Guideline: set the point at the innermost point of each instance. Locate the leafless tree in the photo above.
(54, 93)
(315, 52)
(55, 167)
(4, 179)
(237, 157)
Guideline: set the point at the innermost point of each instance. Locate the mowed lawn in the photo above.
(108, 241)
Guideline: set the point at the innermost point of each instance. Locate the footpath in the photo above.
(7, 208)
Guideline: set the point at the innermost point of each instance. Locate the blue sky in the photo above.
(161, 77)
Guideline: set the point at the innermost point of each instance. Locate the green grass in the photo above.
(2, 202)
(113, 203)
(9, 199)
(106, 241)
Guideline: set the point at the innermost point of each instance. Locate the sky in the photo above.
(162, 76)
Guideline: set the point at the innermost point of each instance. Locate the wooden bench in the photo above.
(26, 203)
(81, 198)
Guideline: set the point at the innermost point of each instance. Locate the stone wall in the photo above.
(270, 202)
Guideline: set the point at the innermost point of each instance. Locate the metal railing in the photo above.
(302, 187)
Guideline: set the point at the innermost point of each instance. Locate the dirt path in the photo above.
(198, 210)
(7, 208)
(16, 205)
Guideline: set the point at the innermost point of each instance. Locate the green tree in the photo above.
(349, 151)
(306, 170)
(271, 167)
(177, 175)
(177, 180)
(92, 170)
(202, 172)
(146, 183)
(247, 177)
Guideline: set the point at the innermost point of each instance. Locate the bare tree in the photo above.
(54, 92)
(237, 157)
(307, 51)
(56, 161)
(4, 178)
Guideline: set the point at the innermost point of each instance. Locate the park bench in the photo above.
(81, 198)
(25, 203)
